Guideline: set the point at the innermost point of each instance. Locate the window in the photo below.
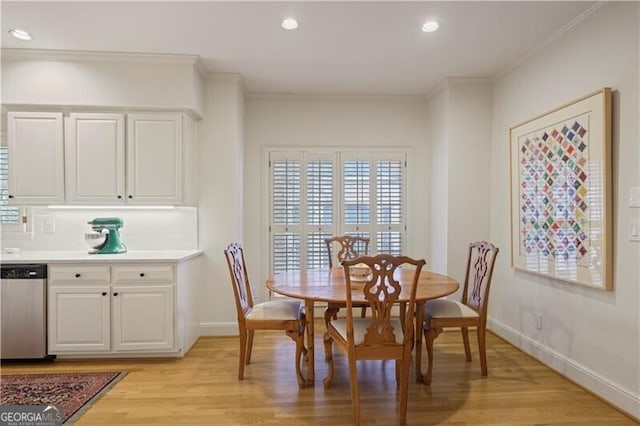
(315, 195)
(12, 218)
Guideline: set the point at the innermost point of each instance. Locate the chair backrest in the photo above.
(239, 279)
(382, 290)
(350, 247)
(480, 263)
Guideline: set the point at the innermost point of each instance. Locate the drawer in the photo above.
(84, 274)
(144, 273)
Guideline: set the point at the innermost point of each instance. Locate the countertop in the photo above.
(59, 256)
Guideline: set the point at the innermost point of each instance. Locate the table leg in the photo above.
(418, 339)
(311, 375)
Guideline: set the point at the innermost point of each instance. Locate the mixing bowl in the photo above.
(95, 240)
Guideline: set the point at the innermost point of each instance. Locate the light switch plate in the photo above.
(634, 196)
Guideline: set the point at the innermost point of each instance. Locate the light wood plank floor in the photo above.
(203, 389)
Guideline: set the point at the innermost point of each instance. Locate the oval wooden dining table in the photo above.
(328, 285)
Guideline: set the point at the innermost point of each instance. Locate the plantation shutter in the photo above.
(285, 211)
(10, 216)
(316, 195)
(302, 209)
(320, 207)
(390, 214)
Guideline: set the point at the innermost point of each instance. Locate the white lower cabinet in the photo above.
(112, 309)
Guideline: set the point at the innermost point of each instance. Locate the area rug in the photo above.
(73, 393)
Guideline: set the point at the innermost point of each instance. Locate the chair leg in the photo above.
(419, 377)
(404, 389)
(243, 352)
(429, 337)
(363, 313)
(465, 341)
(249, 345)
(299, 339)
(328, 356)
(355, 395)
(482, 348)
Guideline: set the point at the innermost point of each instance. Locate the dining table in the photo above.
(329, 285)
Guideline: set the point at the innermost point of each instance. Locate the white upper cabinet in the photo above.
(36, 157)
(154, 158)
(100, 158)
(95, 158)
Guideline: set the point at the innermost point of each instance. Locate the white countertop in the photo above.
(57, 256)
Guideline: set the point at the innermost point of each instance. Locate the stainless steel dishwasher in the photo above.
(24, 311)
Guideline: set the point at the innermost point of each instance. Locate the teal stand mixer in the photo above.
(106, 236)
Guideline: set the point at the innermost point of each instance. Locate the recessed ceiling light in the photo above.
(289, 24)
(430, 26)
(20, 34)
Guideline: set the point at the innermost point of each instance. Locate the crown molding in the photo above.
(92, 56)
(561, 33)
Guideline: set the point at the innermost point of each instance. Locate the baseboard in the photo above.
(218, 329)
(591, 381)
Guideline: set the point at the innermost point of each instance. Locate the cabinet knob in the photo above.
(142, 274)
(78, 275)
(104, 293)
(130, 196)
(119, 197)
(10, 196)
(115, 294)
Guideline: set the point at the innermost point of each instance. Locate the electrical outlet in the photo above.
(538, 317)
(634, 230)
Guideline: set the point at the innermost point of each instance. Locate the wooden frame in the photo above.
(561, 221)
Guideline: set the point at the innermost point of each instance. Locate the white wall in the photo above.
(172, 229)
(589, 335)
(221, 207)
(335, 122)
(110, 80)
(438, 116)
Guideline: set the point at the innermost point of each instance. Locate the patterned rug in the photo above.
(74, 393)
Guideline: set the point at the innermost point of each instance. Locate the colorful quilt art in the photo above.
(561, 205)
(554, 191)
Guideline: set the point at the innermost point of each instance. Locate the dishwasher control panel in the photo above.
(23, 272)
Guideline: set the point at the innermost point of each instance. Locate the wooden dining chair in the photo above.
(379, 336)
(471, 311)
(287, 315)
(347, 247)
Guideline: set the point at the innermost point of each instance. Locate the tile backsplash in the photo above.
(64, 229)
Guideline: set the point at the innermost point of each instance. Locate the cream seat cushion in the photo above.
(360, 327)
(276, 310)
(446, 308)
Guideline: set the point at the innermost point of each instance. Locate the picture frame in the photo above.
(561, 208)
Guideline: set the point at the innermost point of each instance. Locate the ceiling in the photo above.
(347, 48)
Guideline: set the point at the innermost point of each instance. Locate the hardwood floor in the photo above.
(203, 389)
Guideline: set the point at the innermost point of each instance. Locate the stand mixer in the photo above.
(106, 236)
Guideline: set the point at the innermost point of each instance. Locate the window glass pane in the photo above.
(8, 214)
(286, 192)
(389, 191)
(286, 252)
(320, 192)
(356, 192)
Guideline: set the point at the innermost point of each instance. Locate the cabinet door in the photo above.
(143, 317)
(94, 158)
(79, 319)
(36, 163)
(154, 158)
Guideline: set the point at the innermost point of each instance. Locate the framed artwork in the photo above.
(561, 193)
